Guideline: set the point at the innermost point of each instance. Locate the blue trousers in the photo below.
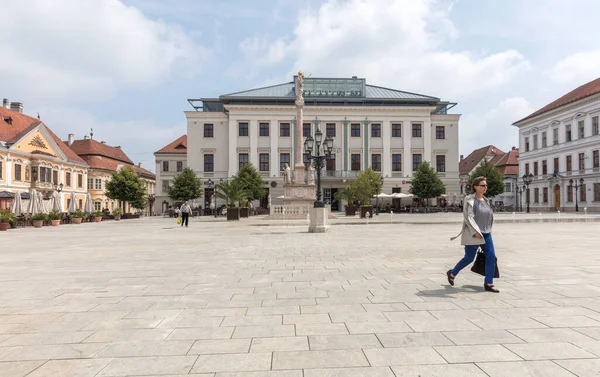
(490, 258)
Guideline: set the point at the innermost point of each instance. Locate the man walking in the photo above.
(185, 213)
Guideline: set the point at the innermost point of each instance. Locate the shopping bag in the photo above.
(179, 220)
(479, 265)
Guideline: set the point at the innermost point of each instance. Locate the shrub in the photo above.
(54, 215)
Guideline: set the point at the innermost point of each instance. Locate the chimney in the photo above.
(118, 146)
(17, 106)
(462, 157)
(514, 148)
(85, 137)
(139, 164)
(6, 103)
(103, 142)
(71, 139)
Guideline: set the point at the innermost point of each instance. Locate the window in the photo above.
(355, 130)
(569, 193)
(597, 192)
(595, 126)
(97, 206)
(544, 167)
(305, 129)
(263, 164)
(581, 129)
(68, 180)
(1, 170)
(535, 142)
(375, 130)
(208, 131)
(242, 159)
(556, 165)
(330, 129)
(243, 129)
(569, 165)
(396, 130)
(330, 163)
(18, 172)
(284, 129)
(284, 158)
(396, 162)
(209, 163)
(536, 195)
(527, 169)
(376, 162)
(165, 165)
(98, 183)
(90, 183)
(440, 163)
(507, 186)
(526, 144)
(544, 140)
(165, 186)
(582, 190)
(54, 177)
(80, 203)
(179, 166)
(355, 159)
(555, 136)
(416, 130)
(545, 195)
(417, 160)
(440, 132)
(596, 158)
(535, 168)
(263, 129)
(79, 180)
(581, 161)
(568, 133)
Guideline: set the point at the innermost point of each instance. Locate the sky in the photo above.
(125, 68)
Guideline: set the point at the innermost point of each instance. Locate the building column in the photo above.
(386, 157)
(366, 144)
(233, 136)
(345, 144)
(293, 130)
(8, 171)
(253, 152)
(427, 134)
(407, 152)
(274, 138)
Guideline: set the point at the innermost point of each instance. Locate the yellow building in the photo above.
(33, 157)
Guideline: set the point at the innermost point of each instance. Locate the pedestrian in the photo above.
(185, 213)
(477, 232)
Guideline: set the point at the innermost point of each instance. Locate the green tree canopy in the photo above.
(494, 179)
(368, 183)
(251, 182)
(232, 191)
(425, 183)
(186, 186)
(126, 186)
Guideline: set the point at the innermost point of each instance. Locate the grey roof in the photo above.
(287, 90)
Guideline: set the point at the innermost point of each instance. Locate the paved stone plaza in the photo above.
(148, 298)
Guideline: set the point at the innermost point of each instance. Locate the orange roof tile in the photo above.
(472, 160)
(91, 147)
(586, 90)
(177, 146)
(110, 164)
(509, 163)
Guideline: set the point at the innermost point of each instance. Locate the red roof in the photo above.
(91, 147)
(110, 164)
(506, 163)
(21, 124)
(177, 146)
(586, 90)
(509, 163)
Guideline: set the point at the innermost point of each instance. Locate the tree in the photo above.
(251, 182)
(127, 187)
(186, 186)
(232, 191)
(368, 183)
(494, 179)
(425, 183)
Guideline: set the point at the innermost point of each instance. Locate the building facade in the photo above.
(33, 157)
(507, 164)
(170, 161)
(389, 130)
(103, 160)
(560, 148)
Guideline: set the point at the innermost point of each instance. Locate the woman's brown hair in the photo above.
(477, 181)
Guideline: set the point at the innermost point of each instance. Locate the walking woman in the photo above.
(476, 232)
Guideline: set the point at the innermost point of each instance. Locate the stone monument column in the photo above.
(299, 165)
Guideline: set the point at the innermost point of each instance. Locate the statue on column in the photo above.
(287, 174)
(300, 88)
(311, 174)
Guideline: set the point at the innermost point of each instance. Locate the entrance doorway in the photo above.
(557, 197)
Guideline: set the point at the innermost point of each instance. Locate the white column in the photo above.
(8, 170)
(274, 158)
(386, 134)
(407, 154)
(232, 149)
(427, 134)
(253, 134)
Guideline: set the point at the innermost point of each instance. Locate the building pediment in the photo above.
(38, 142)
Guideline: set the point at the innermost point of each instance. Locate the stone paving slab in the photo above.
(147, 298)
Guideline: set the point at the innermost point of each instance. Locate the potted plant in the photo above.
(117, 212)
(244, 211)
(97, 216)
(368, 184)
(55, 218)
(233, 192)
(38, 220)
(347, 194)
(77, 217)
(6, 218)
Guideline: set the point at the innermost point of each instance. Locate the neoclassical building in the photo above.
(390, 130)
(170, 160)
(560, 148)
(33, 157)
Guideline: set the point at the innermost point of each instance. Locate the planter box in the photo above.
(76, 220)
(350, 210)
(117, 218)
(233, 214)
(97, 219)
(38, 223)
(55, 222)
(364, 210)
(244, 212)
(4, 226)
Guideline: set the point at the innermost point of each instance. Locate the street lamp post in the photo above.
(314, 145)
(210, 184)
(520, 198)
(576, 187)
(527, 179)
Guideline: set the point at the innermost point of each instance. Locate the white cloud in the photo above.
(494, 126)
(75, 48)
(577, 69)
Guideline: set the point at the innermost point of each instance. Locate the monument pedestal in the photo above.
(299, 194)
(318, 221)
